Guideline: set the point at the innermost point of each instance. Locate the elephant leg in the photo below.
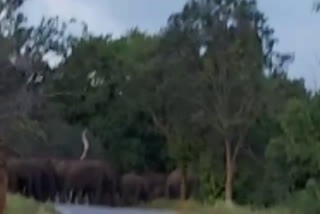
(73, 195)
(13, 184)
(22, 186)
(85, 197)
(124, 200)
(171, 192)
(78, 195)
(53, 188)
(115, 194)
(97, 198)
(29, 187)
(63, 195)
(136, 197)
(37, 188)
(68, 196)
(125, 197)
(167, 192)
(91, 197)
(81, 196)
(45, 187)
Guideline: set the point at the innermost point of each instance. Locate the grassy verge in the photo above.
(193, 207)
(17, 204)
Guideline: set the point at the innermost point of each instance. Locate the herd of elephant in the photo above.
(91, 181)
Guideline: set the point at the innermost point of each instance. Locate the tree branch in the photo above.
(254, 157)
(63, 94)
(239, 144)
(162, 127)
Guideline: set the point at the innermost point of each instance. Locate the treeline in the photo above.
(207, 93)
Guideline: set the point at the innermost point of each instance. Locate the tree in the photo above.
(316, 6)
(93, 93)
(161, 89)
(23, 68)
(295, 151)
(237, 46)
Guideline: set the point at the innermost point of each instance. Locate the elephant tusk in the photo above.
(85, 144)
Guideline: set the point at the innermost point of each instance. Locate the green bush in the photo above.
(306, 200)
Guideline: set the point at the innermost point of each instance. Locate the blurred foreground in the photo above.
(20, 205)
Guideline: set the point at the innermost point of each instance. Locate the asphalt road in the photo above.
(68, 209)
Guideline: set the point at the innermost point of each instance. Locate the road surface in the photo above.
(68, 209)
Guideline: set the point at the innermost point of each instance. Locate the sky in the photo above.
(296, 25)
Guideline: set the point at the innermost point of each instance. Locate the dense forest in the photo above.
(208, 94)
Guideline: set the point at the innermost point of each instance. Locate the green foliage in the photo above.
(102, 101)
(19, 204)
(306, 200)
(295, 151)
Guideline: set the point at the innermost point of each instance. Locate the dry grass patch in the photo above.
(17, 204)
(193, 207)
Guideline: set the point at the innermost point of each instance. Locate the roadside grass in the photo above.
(193, 207)
(17, 204)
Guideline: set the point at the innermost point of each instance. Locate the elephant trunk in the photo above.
(85, 144)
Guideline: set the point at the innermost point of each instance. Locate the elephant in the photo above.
(156, 184)
(24, 178)
(48, 180)
(61, 169)
(133, 189)
(32, 177)
(3, 185)
(174, 181)
(92, 178)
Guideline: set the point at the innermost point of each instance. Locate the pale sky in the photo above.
(296, 26)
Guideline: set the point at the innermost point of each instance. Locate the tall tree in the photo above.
(236, 46)
(161, 89)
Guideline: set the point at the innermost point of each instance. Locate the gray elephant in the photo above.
(32, 177)
(92, 178)
(48, 178)
(24, 178)
(61, 168)
(174, 182)
(156, 184)
(134, 189)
